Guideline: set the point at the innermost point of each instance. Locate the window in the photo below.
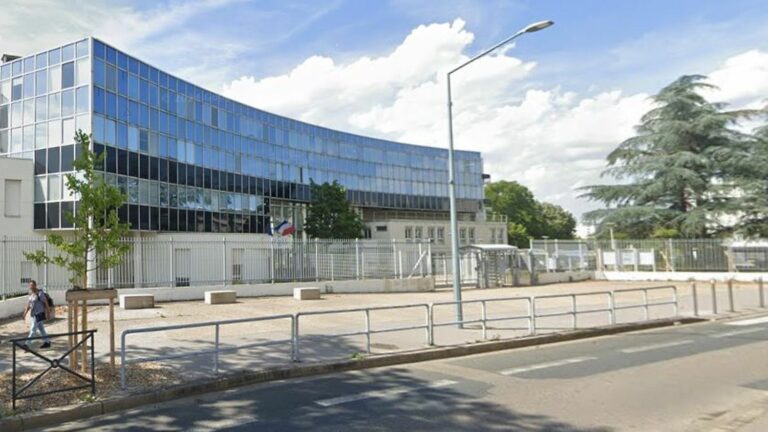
(68, 75)
(471, 235)
(440, 235)
(463, 235)
(418, 232)
(408, 233)
(381, 228)
(12, 198)
(431, 233)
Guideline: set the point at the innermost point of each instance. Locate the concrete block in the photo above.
(307, 293)
(220, 297)
(137, 301)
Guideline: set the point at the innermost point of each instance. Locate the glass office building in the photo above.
(191, 160)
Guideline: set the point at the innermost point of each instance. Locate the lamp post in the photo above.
(541, 25)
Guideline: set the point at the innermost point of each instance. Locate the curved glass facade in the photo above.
(193, 160)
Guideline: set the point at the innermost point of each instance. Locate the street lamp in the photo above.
(541, 25)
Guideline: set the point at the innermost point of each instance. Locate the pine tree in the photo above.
(672, 174)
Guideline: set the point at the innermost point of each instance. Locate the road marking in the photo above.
(547, 365)
(737, 332)
(382, 394)
(752, 321)
(651, 347)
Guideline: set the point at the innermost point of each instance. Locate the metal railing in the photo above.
(217, 349)
(208, 260)
(53, 363)
(429, 324)
(669, 255)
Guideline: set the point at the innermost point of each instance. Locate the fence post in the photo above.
(762, 292)
(532, 261)
(216, 350)
(3, 266)
(272, 260)
(532, 318)
(400, 262)
(317, 263)
(394, 259)
(645, 304)
(713, 287)
(574, 323)
(635, 258)
(45, 266)
(429, 256)
(483, 318)
(293, 338)
(172, 261)
(421, 260)
(367, 331)
(296, 337)
(430, 325)
(695, 293)
(357, 259)
(676, 300)
(670, 255)
(731, 305)
(224, 261)
(612, 307)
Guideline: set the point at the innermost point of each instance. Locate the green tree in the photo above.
(527, 217)
(330, 215)
(670, 175)
(556, 222)
(749, 175)
(97, 229)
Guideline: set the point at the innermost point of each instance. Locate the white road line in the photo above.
(651, 347)
(382, 394)
(737, 332)
(519, 370)
(753, 321)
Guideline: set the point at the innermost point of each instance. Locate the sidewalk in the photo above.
(318, 342)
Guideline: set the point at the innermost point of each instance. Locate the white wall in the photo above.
(17, 169)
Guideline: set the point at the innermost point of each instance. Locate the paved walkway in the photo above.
(317, 332)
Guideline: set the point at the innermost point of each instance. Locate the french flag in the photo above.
(285, 228)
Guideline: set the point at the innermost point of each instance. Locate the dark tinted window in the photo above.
(67, 158)
(53, 215)
(68, 75)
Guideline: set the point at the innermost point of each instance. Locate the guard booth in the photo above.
(496, 264)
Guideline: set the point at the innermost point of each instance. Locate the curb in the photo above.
(58, 415)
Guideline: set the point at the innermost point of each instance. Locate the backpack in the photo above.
(48, 299)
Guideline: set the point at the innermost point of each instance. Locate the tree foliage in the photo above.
(527, 217)
(330, 215)
(97, 229)
(678, 175)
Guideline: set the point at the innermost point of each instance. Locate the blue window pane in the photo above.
(111, 104)
(5, 71)
(16, 68)
(41, 60)
(82, 99)
(41, 77)
(122, 108)
(133, 87)
(68, 75)
(133, 65)
(122, 60)
(98, 49)
(133, 139)
(29, 64)
(122, 135)
(143, 141)
(99, 74)
(143, 116)
(144, 70)
(68, 52)
(98, 129)
(110, 55)
(133, 112)
(29, 85)
(144, 91)
(82, 48)
(54, 56)
(122, 83)
(67, 103)
(98, 100)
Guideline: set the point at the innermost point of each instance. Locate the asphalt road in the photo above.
(701, 377)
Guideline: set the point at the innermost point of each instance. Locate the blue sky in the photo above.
(544, 112)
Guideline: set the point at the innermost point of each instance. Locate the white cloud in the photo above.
(553, 141)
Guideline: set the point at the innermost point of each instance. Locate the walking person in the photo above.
(38, 306)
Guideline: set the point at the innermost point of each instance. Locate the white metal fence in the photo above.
(532, 310)
(669, 255)
(207, 261)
